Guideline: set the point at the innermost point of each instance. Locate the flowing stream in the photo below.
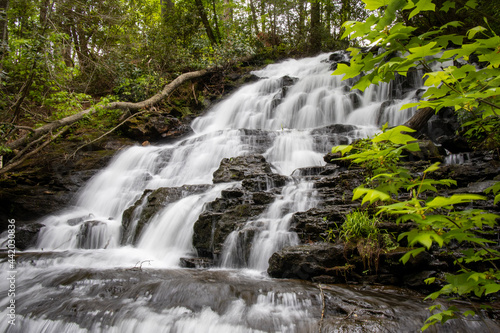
(81, 278)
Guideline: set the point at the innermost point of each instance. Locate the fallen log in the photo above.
(125, 106)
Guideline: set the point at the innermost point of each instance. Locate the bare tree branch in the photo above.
(167, 90)
(10, 166)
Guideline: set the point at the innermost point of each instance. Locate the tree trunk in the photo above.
(419, 119)
(4, 32)
(204, 20)
(228, 11)
(216, 21)
(315, 41)
(167, 9)
(262, 16)
(254, 17)
(44, 11)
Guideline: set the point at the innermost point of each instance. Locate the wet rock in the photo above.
(287, 81)
(478, 168)
(337, 56)
(27, 235)
(334, 158)
(196, 263)
(454, 144)
(220, 219)
(48, 183)
(240, 168)
(476, 187)
(154, 127)
(339, 263)
(306, 261)
(92, 235)
(334, 129)
(428, 152)
(238, 205)
(264, 182)
(314, 225)
(262, 198)
(136, 217)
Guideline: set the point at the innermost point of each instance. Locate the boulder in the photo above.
(27, 235)
(137, 216)
(154, 127)
(241, 168)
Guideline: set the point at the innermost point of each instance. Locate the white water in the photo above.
(88, 234)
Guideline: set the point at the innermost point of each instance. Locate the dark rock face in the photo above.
(154, 127)
(136, 217)
(27, 235)
(428, 152)
(240, 168)
(324, 262)
(238, 205)
(306, 261)
(49, 182)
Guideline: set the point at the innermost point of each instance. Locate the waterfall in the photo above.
(84, 258)
(288, 105)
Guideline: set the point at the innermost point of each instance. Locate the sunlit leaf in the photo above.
(491, 288)
(369, 195)
(412, 253)
(421, 6)
(348, 71)
(343, 149)
(454, 199)
(433, 167)
(375, 4)
(423, 51)
(394, 135)
(472, 32)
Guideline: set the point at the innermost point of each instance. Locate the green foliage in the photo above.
(358, 224)
(449, 59)
(440, 221)
(66, 103)
(362, 230)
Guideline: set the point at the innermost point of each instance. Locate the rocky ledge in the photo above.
(322, 257)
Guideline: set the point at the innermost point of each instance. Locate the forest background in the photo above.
(59, 57)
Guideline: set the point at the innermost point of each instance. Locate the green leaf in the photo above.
(422, 5)
(472, 32)
(433, 167)
(409, 105)
(430, 280)
(491, 288)
(412, 253)
(348, 71)
(394, 135)
(447, 5)
(375, 4)
(493, 58)
(369, 195)
(343, 149)
(469, 313)
(423, 51)
(453, 200)
(471, 3)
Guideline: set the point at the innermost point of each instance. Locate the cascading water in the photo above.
(84, 275)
